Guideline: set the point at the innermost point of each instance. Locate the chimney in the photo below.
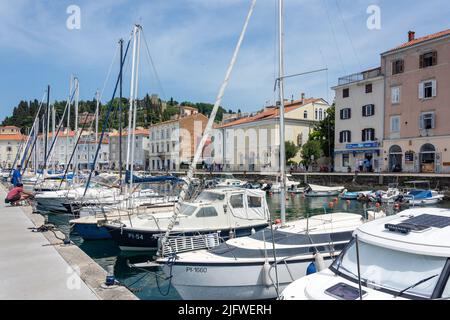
(303, 97)
(411, 36)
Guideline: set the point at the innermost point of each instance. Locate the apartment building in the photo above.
(141, 156)
(173, 143)
(359, 121)
(10, 141)
(252, 143)
(417, 104)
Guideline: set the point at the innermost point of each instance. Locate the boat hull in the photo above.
(91, 231)
(322, 194)
(234, 281)
(143, 240)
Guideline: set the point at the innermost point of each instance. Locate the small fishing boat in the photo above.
(353, 195)
(405, 256)
(422, 196)
(228, 180)
(232, 211)
(313, 190)
(391, 195)
(254, 267)
(290, 185)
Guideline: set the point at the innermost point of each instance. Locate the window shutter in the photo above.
(434, 88)
(402, 66)
(421, 60)
(340, 137)
(363, 136)
(349, 136)
(349, 113)
(342, 114)
(373, 109)
(433, 121)
(421, 88)
(364, 111)
(421, 122)
(372, 135)
(434, 58)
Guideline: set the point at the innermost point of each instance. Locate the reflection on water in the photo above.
(145, 284)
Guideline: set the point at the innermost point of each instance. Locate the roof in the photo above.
(12, 137)
(9, 127)
(272, 112)
(433, 241)
(138, 132)
(421, 40)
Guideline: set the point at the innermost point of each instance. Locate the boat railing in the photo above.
(179, 244)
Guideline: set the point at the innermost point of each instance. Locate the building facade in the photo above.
(173, 143)
(10, 141)
(140, 149)
(359, 122)
(252, 143)
(417, 104)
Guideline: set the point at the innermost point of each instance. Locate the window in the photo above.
(237, 201)
(369, 88)
(346, 93)
(320, 114)
(395, 124)
(346, 113)
(186, 209)
(427, 120)
(427, 89)
(345, 160)
(345, 136)
(395, 95)
(254, 202)
(316, 116)
(305, 115)
(368, 135)
(368, 110)
(398, 66)
(428, 59)
(8, 149)
(300, 140)
(207, 212)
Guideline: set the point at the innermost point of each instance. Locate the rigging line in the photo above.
(149, 57)
(108, 74)
(348, 34)
(333, 32)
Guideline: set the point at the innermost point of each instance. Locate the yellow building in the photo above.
(252, 143)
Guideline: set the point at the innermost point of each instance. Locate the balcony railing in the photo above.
(365, 75)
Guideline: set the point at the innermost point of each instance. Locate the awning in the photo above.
(357, 151)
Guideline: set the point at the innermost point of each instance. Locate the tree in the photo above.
(323, 132)
(291, 150)
(312, 150)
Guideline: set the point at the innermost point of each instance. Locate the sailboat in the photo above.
(260, 265)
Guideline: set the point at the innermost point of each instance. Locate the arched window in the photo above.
(395, 150)
(305, 114)
(428, 148)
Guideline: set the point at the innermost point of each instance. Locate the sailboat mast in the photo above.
(281, 108)
(120, 112)
(46, 125)
(53, 131)
(131, 109)
(77, 99)
(136, 87)
(68, 120)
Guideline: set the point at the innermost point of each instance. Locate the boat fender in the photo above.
(266, 274)
(319, 262)
(311, 269)
(253, 231)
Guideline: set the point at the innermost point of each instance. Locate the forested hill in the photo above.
(149, 111)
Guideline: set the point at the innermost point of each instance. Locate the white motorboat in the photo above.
(229, 181)
(232, 211)
(421, 194)
(391, 195)
(245, 268)
(313, 190)
(290, 185)
(405, 256)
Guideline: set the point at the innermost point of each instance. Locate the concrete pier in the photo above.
(37, 266)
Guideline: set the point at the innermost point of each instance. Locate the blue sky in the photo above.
(191, 42)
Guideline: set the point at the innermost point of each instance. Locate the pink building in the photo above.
(417, 104)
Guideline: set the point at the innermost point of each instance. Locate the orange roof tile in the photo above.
(422, 39)
(271, 113)
(12, 137)
(139, 132)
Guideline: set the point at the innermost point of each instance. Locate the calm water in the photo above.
(144, 284)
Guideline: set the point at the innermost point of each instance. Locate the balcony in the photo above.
(365, 75)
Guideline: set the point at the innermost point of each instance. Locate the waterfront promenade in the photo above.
(36, 266)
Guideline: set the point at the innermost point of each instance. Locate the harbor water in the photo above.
(154, 285)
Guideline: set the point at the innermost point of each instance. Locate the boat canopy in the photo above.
(420, 194)
(151, 179)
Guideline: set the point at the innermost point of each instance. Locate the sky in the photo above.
(191, 43)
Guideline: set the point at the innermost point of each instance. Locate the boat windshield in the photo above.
(209, 196)
(383, 268)
(187, 209)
